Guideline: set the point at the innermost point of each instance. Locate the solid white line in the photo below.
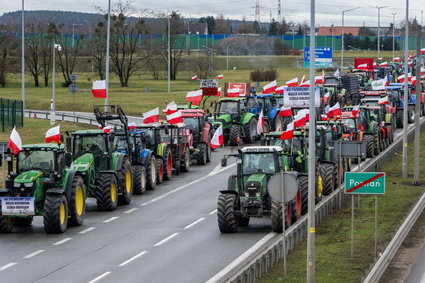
(133, 258)
(215, 169)
(241, 258)
(100, 277)
(87, 230)
(110, 219)
(34, 254)
(130, 210)
(61, 242)
(212, 212)
(194, 223)
(187, 185)
(166, 239)
(7, 265)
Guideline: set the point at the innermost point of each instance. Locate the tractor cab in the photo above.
(93, 142)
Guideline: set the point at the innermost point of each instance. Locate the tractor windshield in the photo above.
(228, 107)
(279, 101)
(120, 144)
(148, 137)
(38, 159)
(95, 144)
(191, 123)
(258, 163)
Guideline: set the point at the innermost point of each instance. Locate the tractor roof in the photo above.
(264, 95)
(88, 132)
(43, 146)
(193, 113)
(261, 149)
(232, 99)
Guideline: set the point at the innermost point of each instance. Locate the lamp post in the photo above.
(169, 55)
(342, 35)
(379, 25)
(108, 36)
(23, 58)
(393, 34)
(406, 76)
(53, 102)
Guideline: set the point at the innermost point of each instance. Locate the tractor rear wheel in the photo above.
(202, 154)
(244, 221)
(410, 115)
(369, 146)
(208, 149)
(168, 165)
(234, 135)
(186, 162)
(327, 170)
(227, 220)
(139, 180)
(22, 221)
(106, 192)
(151, 176)
(77, 203)
(159, 171)
(303, 182)
(178, 166)
(376, 144)
(55, 217)
(250, 130)
(6, 223)
(399, 119)
(276, 216)
(126, 186)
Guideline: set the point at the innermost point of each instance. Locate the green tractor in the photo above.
(247, 196)
(236, 120)
(43, 184)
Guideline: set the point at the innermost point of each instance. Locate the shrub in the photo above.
(263, 75)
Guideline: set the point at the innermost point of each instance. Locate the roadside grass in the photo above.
(333, 236)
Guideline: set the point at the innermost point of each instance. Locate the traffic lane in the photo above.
(417, 273)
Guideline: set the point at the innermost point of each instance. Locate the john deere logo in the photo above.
(252, 184)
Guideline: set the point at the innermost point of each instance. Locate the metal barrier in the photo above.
(69, 117)
(11, 114)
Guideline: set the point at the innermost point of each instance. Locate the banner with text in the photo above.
(299, 97)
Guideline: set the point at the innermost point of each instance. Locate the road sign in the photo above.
(364, 183)
(289, 183)
(73, 88)
(73, 77)
(323, 57)
(209, 83)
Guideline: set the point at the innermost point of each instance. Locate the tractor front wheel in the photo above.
(55, 214)
(250, 130)
(234, 135)
(159, 171)
(228, 222)
(6, 223)
(399, 119)
(77, 202)
(202, 154)
(106, 192)
(151, 176)
(410, 115)
(303, 183)
(186, 162)
(139, 180)
(168, 165)
(369, 146)
(327, 170)
(126, 183)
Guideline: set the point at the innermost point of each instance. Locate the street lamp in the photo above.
(108, 36)
(379, 18)
(393, 34)
(23, 59)
(342, 35)
(53, 102)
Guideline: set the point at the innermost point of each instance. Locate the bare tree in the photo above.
(46, 52)
(98, 44)
(199, 62)
(7, 46)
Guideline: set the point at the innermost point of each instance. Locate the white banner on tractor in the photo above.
(298, 97)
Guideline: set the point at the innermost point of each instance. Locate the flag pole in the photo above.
(108, 36)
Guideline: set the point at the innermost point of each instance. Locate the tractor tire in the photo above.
(6, 223)
(178, 166)
(234, 135)
(55, 216)
(410, 115)
(327, 172)
(399, 119)
(106, 192)
(250, 130)
(22, 221)
(151, 175)
(276, 216)
(77, 203)
(369, 146)
(244, 221)
(303, 183)
(335, 175)
(376, 144)
(201, 158)
(296, 211)
(228, 222)
(139, 180)
(159, 171)
(126, 183)
(168, 164)
(208, 149)
(186, 162)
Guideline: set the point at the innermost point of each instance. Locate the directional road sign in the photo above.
(364, 183)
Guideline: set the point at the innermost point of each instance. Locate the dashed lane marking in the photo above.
(110, 219)
(87, 230)
(100, 277)
(213, 212)
(194, 223)
(34, 254)
(133, 258)
(7, 266)
(166, 239)
(61, 242)
(130, 210)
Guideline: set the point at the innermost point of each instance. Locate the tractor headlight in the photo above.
(17, 185)
(28, 185)
(257, 195)
(247, 195)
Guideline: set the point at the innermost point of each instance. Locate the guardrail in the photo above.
(248, 269)
(61, 116)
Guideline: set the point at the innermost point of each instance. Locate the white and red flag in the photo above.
(397, 59)
(270, 87)
(292, 83)
(326, 97)
(107, 129)
(151, 116)
(318, 80)
(288, 133)
(355, 111)
(99, 89)
(194, 78)
(170, 108)
(233, 92)
(218, 138)
(300, 120)
(401, 78)
(220, 77)
(219, 91)
(194, 96)
(423, 51)
(383, 100)
(280, 90)
(383, 64)
(305, 84)
(362, 67)
(175, 117)
(334, 111)
(132, 125)
(422, 72)
(15, 142)
(53, 135)
(285, 112)
(260, 123)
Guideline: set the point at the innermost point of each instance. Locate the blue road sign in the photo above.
(323, 57)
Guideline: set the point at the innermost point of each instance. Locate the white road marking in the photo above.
(87, 230)
(130, 210)
(133, 258)
(241, 258)
(8, 265)
(100, 277)
(34, 254)
(194, 223)
(215, 169)
(166, 239)
(213, 212)
(110, 219)
(61, 242)
(187, 185)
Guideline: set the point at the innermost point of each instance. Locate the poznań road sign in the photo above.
(364, 183)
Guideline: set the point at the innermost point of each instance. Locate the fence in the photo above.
(11, 114)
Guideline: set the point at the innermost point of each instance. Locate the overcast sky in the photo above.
(327, 11)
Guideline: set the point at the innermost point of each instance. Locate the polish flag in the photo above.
(334, 111)
(397, 59)
(374, 64)
(194, 96)
(318, 80)
(15, 142)
(218, 138)
(410, 63)
(53, 135)
(99, 89)
(383, 64)
(285, 112)
(194, 78)
(151, 116)
(107, 129)
(280, 90)
(175, 118)
(383, 100)
(260, 123)
(303, 80)
(233, 92)
(293, 82)
(423, 51)
(288, 133)
(355, 111)
(413, 81)
(220, 77)
(326, 97)
(362, 67)
(324, 117)
(170, 108)
(401, 78)
(219, 91)
(100, 126)
(301, 118)
(132, 125)
(271, 87)
(305, 84)
(422, 72)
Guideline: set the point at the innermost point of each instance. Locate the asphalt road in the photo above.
(166, 235)
(417, 273)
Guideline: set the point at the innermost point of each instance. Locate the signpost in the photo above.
(323, 57)
(298, 97)
(209, 87)
(73, 89)
(364, 183)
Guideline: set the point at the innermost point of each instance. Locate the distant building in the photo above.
(197, 28)
(337, 31)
